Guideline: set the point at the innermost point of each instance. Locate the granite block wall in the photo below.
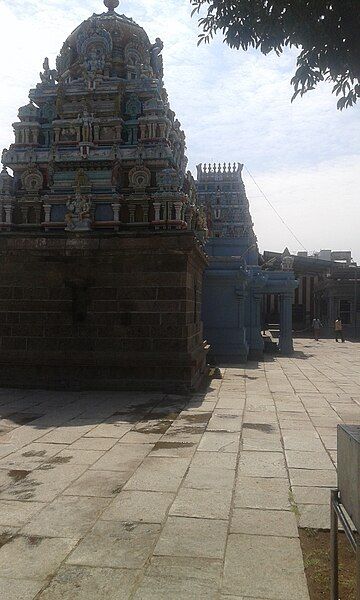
(112, 311)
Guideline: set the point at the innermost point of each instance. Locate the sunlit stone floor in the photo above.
(152, 497)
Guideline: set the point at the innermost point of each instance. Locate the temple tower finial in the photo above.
(111, 4)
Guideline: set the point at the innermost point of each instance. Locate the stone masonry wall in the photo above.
(108, 311)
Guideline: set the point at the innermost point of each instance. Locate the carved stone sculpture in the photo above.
(139, 178)
(49, 76)
(156, 58)
(86, 128)
(32, 180)
(104, 107)
(78, 213)
(81, 179)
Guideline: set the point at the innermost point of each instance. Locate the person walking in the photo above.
(339, 330)
(316, 324)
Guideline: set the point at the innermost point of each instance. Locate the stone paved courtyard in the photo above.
(151, 497)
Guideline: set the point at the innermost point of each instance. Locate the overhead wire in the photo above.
(275, 211)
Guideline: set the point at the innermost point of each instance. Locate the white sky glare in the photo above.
(233, 106)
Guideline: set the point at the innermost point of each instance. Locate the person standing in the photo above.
(339, 330)
(316, 327)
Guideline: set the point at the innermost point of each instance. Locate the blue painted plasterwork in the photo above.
(233, 282)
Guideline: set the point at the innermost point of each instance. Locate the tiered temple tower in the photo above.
(234, 284)
(98, 146)
(101, 254)
(221, 190)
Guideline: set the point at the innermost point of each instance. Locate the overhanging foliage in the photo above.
(326, 32)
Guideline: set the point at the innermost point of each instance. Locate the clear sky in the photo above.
(233, 106)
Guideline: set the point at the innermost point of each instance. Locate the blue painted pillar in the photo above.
(240, 295)
(286, 339)
(256, 342)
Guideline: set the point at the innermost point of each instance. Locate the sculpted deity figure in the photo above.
(202, 221)
(78, 214)
(87, 121)
(3, 155)
(95, 61)
(81, 179)
(49, 75)
(156, 58)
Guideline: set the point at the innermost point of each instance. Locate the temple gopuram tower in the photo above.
(101, 255)
(222, 192)
(234, 283)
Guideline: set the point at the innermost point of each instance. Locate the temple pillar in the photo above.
(47, 213)
(35, 136)
(332, 310)
(142, 131)
(96, 133)
(116, 211)
(37, 209)
(178, 207)
(24, 212)
(133, 134)
(8, 213)
(166, 211)
(162, 128)
(286, 339)
(145, 208)
(243, 345)
(157, 207)
(132, 209)
(256, 344)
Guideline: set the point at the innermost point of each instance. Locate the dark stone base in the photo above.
(255, 354)
(101, 311)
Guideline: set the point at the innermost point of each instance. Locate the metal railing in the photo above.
(337, 514)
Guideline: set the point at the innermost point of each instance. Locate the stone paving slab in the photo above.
(186, 536)
(262, 464)
(139, 507)
(223, 441)
(144, 496)
(180, 578)
(158, 474)
(17, 514)
(29, 557)
(116, 544)
(206, 504)
(264, 493)
(85, 583)
(66, 516)
(15, 589)
(263, 522)
(279, 559)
